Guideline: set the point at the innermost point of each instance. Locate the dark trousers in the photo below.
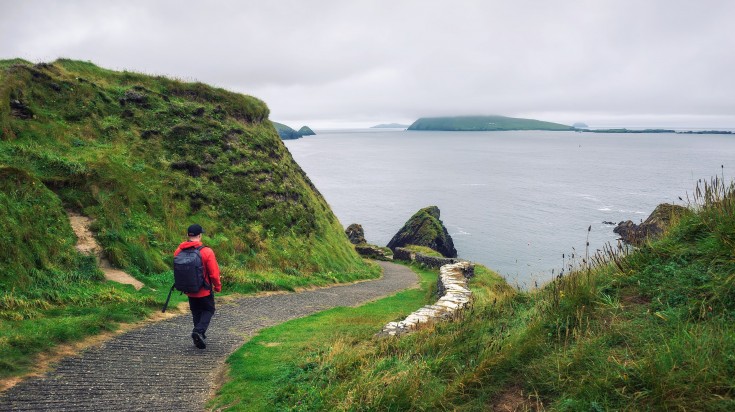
(202, 310)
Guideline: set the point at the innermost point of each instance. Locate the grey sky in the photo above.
(351, 63)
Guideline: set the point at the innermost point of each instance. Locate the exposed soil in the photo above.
(513, 399)
(86, 243)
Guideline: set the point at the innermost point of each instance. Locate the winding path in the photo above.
(157, 368)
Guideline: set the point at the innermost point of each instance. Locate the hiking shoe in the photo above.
(198, 340)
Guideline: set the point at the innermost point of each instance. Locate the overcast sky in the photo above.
(358, 63)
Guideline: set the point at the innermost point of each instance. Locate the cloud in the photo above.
(336, 61)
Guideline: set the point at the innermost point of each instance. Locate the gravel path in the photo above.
(157, 368)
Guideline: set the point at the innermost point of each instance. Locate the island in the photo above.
(306, 131)
(390, 126)
(287, 133)
(624, 130)
(484, 123)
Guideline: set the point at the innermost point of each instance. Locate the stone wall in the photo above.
(435, 262)
(454, 297)
(401, 253)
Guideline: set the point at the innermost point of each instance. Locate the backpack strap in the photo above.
(204, 269)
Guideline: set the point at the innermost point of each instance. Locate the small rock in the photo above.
(20, 110)
(355, 233)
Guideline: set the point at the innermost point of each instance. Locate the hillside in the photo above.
(144, 157)
(483, 123)
(649, 330)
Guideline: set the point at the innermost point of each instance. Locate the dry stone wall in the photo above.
(455, 296)
(401, 253)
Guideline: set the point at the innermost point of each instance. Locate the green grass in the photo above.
(270, 363)
(144, 157)
(651, 330)
(483, 123)
(423, 250)
(284, 367)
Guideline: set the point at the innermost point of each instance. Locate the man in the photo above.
(201, 303)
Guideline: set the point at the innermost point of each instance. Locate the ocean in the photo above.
(513, 201)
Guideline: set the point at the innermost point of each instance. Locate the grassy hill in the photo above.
(483, 123)
(650, 330)
(145, 157)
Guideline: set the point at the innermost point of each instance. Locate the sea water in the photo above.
(513, 201)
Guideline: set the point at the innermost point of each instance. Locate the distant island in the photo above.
(484, 123)
(306, 131)
(503, 123)
(287, 133)
(390, 126)
(624, 130)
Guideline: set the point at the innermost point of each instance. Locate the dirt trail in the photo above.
(157, 368)
(86, 243)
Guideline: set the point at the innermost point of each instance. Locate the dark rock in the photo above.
(147, 134)
(54, 86)
(20, 110)
(190, 167)
(134, 97)
(605, 222)
(425, 229)
(198, 112)
(43, 66)
(355, 233)
(654, 226)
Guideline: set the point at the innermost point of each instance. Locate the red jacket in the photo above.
(211, 269)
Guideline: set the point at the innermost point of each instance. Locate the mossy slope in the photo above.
(145, 157)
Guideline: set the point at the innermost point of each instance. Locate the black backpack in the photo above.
(188, 272)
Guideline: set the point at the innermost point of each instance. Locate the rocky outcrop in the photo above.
(425, 229)
(454, 294)
(652, 227)
(20, 110)
(355, 233)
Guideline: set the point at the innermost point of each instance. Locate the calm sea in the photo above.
(513, 201)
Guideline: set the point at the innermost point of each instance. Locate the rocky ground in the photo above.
(157, 368)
